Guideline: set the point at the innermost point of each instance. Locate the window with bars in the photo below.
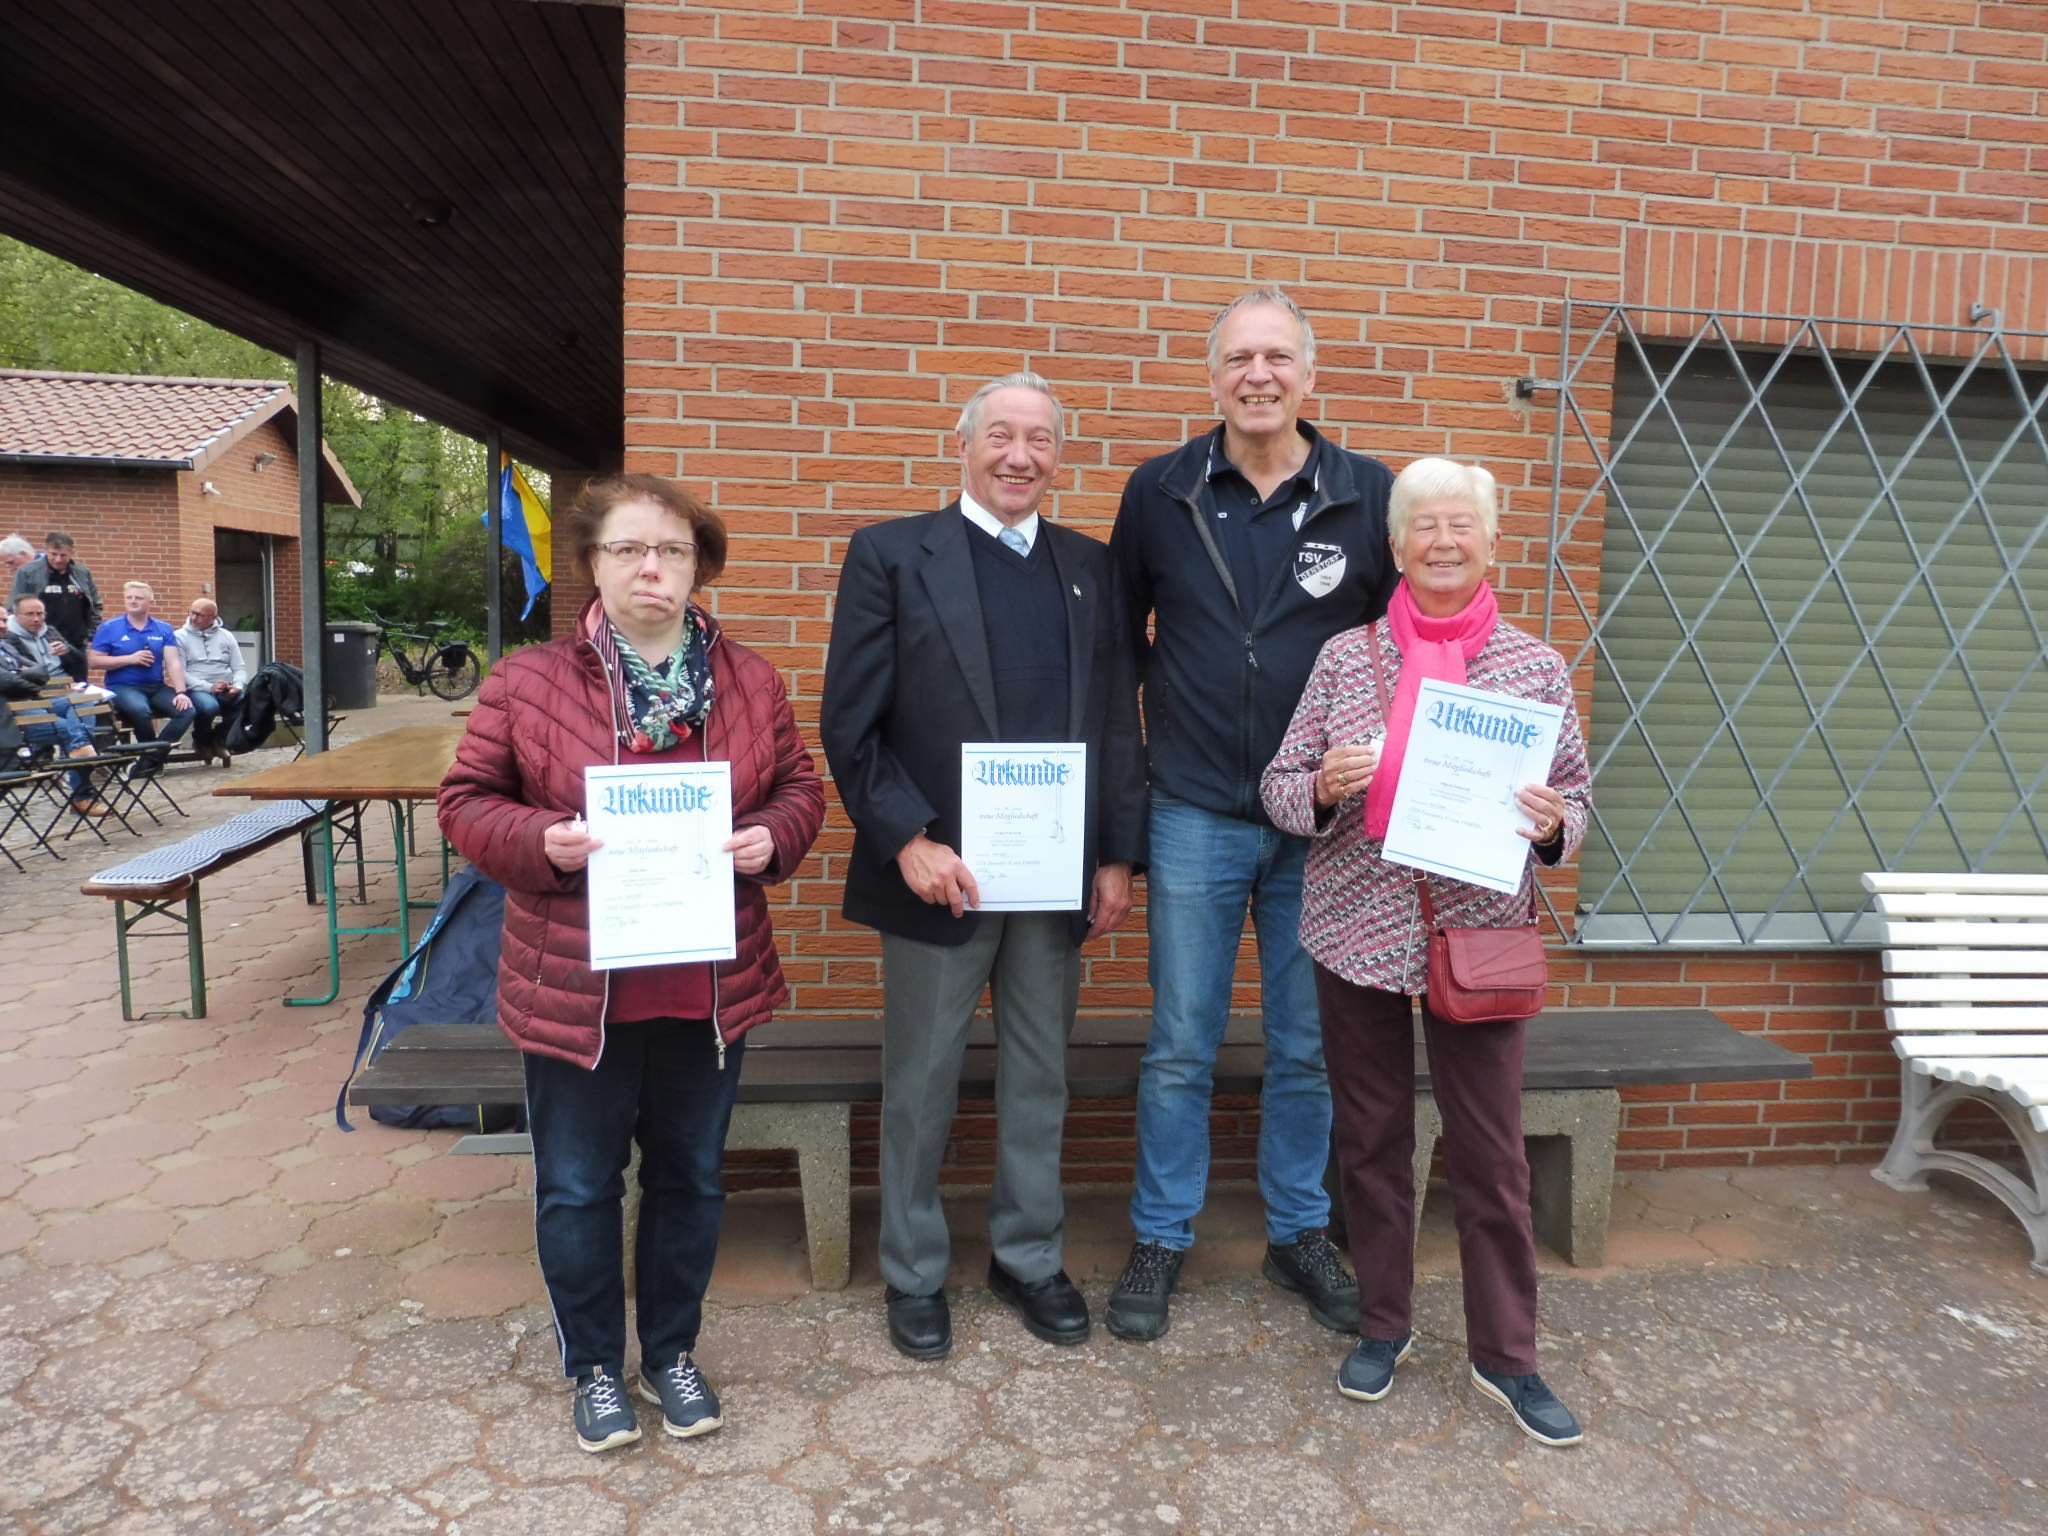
(1819, 642)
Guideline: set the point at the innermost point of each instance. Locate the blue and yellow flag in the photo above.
(528, 530)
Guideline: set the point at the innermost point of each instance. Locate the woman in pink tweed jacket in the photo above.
(1333, 781)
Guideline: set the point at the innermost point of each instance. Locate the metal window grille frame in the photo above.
(1759, 346)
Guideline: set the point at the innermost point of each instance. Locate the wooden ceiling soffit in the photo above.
(434, 189)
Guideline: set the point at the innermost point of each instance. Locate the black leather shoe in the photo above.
(1051, 1308)
(919, 1326)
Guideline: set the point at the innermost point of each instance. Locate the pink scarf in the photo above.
(1437, 648)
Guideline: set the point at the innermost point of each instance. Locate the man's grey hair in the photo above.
(56, 540)
(15, 547)
(1278, 298)
(1024, 378)
(1428, 480)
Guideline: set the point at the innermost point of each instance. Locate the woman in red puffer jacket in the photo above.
(649, 1054)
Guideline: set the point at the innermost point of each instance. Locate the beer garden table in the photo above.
(401, 768)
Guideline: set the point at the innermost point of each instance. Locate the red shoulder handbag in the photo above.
(1476, 975)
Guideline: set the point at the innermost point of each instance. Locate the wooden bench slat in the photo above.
(1975, 1020)
(1887, 883)
(1965, 989)
(1943, 904)
(1970, 962)
(1965, 934)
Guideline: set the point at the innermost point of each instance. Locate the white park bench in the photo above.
(1966, 994)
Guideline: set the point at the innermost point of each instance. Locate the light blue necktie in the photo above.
(1015, 540)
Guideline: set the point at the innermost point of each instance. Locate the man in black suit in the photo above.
(980, 623)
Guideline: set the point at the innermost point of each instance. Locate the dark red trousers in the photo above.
(1369, 1048)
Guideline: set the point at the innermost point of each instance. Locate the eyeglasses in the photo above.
(627, 553)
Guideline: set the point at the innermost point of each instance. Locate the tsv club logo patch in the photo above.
(1319, 567)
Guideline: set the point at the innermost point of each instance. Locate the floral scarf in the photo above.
(670, 701)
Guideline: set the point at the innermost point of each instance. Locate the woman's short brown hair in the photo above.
(594, 503)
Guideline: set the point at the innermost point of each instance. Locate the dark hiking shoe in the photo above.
(1311, 1266)
(603, 1416)
(688, 1406)
(1535, 1407)
(1138, 1305)
(1367, 1374)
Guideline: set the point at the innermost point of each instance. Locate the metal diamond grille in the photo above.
(1817, 636)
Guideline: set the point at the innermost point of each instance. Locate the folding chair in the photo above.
(21, 800)
(124, 776)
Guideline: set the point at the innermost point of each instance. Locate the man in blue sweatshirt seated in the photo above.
(145, 670)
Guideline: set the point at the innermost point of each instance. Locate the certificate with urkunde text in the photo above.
(1455, 813)
(1022, 814)
(661, 886)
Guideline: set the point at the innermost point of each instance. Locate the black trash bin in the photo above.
(350, 664)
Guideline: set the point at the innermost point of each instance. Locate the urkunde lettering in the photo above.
(1017, 772)
(640, 798)
(1471, 720)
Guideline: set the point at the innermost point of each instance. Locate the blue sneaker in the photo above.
(688, 1406)
(1535, 1407)
(1367, 1374)
(603, 1416)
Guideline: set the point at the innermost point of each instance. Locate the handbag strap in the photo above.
(1428, 906)
(1379, 683)
(1379, 672)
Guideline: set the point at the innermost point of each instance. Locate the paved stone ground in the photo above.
(218, 1313)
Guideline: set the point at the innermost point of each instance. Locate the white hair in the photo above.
(1441, 480)
(15, 547)
(1024, 378)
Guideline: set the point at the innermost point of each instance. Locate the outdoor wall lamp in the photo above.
(264, 461)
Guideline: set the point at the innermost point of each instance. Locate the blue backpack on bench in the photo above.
(451, 978)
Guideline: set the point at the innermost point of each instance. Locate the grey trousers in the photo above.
(929, 991)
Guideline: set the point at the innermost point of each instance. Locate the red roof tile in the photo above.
(123, 416)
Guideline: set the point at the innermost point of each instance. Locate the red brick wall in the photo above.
(126, 524)
(843, 217)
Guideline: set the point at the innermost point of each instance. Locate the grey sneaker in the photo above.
(1311, 1265)
(1535, 1407)
(688, 1406)
(1367, 1373)
(1138, 1305)
(603, 1416)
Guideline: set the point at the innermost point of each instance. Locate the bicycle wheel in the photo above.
(452, 672)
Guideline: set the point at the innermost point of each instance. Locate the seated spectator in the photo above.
(214, 676)
(145, 669)
(25, 670)
(40, 645)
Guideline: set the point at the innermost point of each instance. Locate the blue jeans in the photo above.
(67, 733)
(139, 706)
(658, 1082)
(1206, 870)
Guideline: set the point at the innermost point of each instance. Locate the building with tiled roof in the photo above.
(188, 484)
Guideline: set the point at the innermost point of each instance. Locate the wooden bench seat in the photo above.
(802, 1074)
(1966, 989)
(156, 882)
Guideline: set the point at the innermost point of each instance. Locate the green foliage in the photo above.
(414, 551)
(54, 315)
(449, 588)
